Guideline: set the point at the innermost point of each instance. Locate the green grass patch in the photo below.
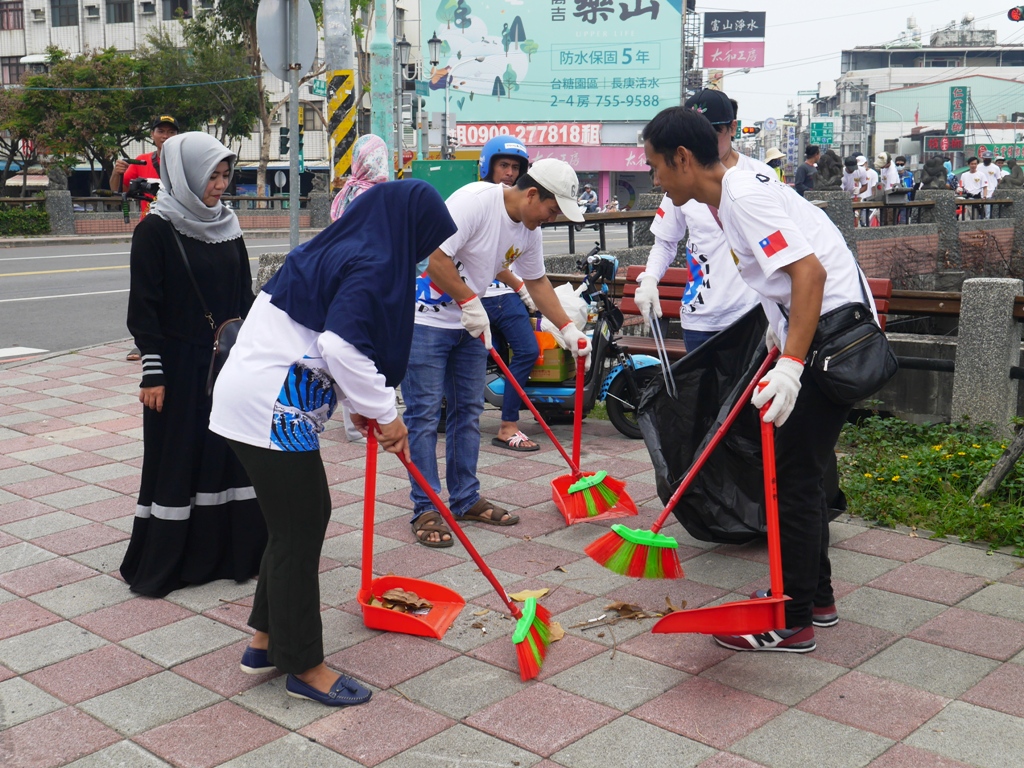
(599, 411)
(924, 475)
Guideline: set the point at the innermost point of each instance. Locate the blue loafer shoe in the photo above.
(346, 692)
(254, 662)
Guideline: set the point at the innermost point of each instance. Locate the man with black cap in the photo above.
(162, 128)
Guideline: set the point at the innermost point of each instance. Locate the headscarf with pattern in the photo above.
(369, 167)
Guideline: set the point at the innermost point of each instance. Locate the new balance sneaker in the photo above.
(787, 640)
(821, 615)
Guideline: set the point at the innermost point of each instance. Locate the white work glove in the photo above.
(475, 320)
(572, 336)
(525, 296)
(771, 341)
(646, 298)
(782, 385)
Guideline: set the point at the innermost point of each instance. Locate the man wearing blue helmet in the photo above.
(502, 161)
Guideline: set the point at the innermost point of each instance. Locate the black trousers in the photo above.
(805, 448)
(293, 493)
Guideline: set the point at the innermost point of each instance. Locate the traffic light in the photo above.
(1016, 13)
(282, 148)
(751, 130)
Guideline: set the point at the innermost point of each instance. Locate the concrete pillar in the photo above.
(987, 345)
(645, 201)
(943, 213)
(61, 212)
(269, 264)
(840, 210)
(319, 209)
(1017, 212)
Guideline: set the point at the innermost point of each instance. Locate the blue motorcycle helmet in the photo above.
(503, 146)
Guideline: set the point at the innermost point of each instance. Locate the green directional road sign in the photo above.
(822, 133)
(422, 88)
(319, 87)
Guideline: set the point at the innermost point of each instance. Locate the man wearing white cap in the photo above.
(992, 175)
(498, 226)
(870, 184)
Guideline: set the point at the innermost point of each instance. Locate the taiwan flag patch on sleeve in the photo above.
(774, 243)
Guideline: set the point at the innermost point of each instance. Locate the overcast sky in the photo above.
(803, 41)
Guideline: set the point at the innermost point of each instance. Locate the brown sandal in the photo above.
(497, 516)
(428, 523)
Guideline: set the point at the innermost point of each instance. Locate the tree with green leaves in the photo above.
(510, 80)
(462, 14)
(516, 32)
(18, 137)
(529, 47)
(498, 89)
(446, 12)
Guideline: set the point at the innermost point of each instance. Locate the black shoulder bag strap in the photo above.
(188, 270)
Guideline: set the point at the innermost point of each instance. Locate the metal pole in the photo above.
(382, 84)
(444, 121)
(682, 62)
(293, 123)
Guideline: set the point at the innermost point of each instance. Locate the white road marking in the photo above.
(62, 296)
(15, 351)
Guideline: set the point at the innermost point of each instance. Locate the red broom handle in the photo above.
(577, 427)
(575, 467)
(369, 499)
(449, 518)
(771, 503)
(702, 459)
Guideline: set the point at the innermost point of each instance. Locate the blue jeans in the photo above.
(449, 363)
(693, 339)
(512, 330)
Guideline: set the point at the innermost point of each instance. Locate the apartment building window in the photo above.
(64, 13)
(120, 12)
(11, 70)
(171, 8)
(12, 15)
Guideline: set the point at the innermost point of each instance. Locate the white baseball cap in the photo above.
(861, 160)
(558, 178)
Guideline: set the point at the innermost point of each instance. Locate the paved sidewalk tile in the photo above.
(463, 746)
(123, 754)
(787, 678)
(92, 674)
(645, 745)
(929, 583)
(183, 640)
(902, 756)
(942, 671)
(291, 750)
(84, 596)
(20, 700)
(889, 544)
(389, 659)
(1003, 690)
(44, 576)
(55, 739)
(975, 735)
(18, 616)
(977, 562)
(887, 610)
(971, 632)
(799, 738)
(1005, 600)
(47, 645)
(460, 687)
(221, 672)
(617, 680)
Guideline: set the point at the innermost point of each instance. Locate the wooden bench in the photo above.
(670, 291)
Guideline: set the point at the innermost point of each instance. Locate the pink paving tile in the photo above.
(16, 444)
(972, 632)
(337, 473)
(129, 484)
(530, 558)
(563, 654)
(74, 462)
(902, 756)
(389, 659)
(6, 539)
(343, 499)
(412, 560)
(849, 644)
(80, 539)
(337, 529)
(67, 410)
(519, 470)
(399, 529)
(1015, 577)
(6, 462)
(755, 551)
(44, 576)
(30, 489)
(93, 673)
(6, 674)
(19, 616)
(895, 546)
(383, 727)
(42, 426)
(725, 760)
(88, 396)
(210, 736)
(22, 510)
(108, 509)
(1003, 690)
(542, 719)
(708, 712)
(234, 614)
(220, 671)
(521, 494)
(97, 442)
(130, 618)
(885, 707)
(651, 594)
(57, 739)
(399, 498)
(558, 599)
(929, 583)
(535, 522)
(24, 397)
(335, 453)
(118, 425)
(690, 653)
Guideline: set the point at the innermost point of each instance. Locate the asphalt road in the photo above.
(55, 298)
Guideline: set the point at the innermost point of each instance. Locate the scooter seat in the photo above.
(644, 345)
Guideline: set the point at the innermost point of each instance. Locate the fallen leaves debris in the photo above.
(402, 601)
(522, 596)
(620, 610)
(556, 632)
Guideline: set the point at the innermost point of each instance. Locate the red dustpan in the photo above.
(446, 604)
(568, 505)
(745, 617)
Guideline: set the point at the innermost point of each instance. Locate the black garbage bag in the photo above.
(725, 503)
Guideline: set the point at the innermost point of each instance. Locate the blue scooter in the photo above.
(615, 377)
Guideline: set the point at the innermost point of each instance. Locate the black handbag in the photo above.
(850, 358)
(224, 335)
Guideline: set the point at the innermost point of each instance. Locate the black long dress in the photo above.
(197, 517)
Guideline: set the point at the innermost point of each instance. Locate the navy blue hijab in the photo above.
(357, 278)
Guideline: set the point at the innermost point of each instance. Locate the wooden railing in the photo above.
(601, 220)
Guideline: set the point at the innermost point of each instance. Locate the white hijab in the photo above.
(186, 163)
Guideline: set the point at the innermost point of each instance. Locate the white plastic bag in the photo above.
(574, 306)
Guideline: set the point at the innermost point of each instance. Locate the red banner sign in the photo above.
(733, 53)
(531, 134)
(944, 143)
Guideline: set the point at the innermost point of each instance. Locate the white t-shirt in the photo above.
(283, 381)
(973, 183)
(872, 177)
(486, 242)
(992, 175)
(770, 226)
(715, 296)
(852, 182)
(889, 177)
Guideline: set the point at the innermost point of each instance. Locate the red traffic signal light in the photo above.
(751, 130)
(1016, 13)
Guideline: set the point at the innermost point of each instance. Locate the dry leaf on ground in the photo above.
(521, 597)
(556, 631)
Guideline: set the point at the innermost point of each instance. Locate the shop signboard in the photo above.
(733, 25)
(734, 53)
(944, 144)
(959, 98)
(553, 61)
(531, 134)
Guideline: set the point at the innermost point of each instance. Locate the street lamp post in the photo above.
(403, 49)
(434, 47)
